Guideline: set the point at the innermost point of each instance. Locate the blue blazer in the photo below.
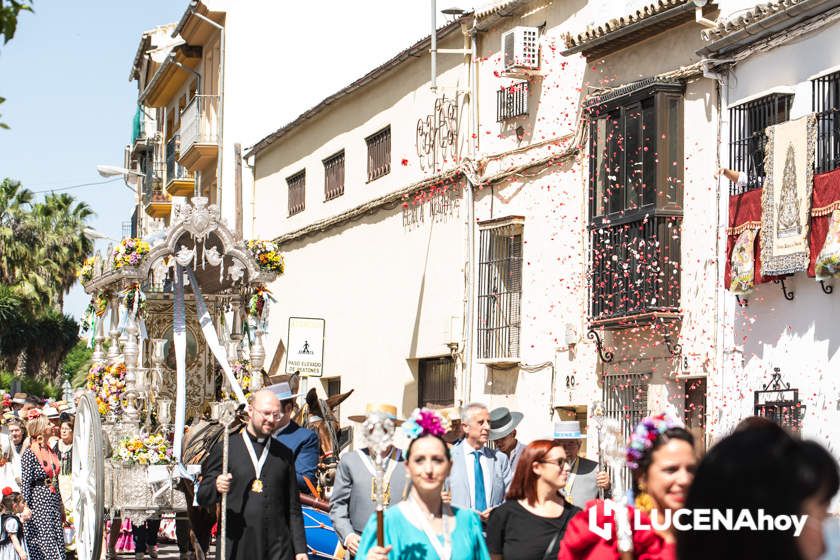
(306, 449)
(459, 482)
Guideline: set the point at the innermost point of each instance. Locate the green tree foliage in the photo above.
(9, 12)
(41, 247)
(77, 363)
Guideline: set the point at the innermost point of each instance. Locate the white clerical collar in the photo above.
(253, 437)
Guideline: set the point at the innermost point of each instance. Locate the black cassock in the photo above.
(265, 525)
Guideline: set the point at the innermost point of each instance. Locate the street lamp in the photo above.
(125, 173)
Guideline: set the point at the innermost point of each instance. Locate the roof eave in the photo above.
(601, 46)
(766, 27)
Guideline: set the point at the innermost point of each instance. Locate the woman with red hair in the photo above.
(531, 523)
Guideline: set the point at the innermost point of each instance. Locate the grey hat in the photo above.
(503, 422)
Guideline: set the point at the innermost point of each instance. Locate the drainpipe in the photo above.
(220, 142)
(472, 183)
(197, 184)
(721, 311)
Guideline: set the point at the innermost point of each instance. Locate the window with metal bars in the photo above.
(379, 154)
(748, 137)
(825, 101)
(334, 176)
(512, 101)
(436, 382)
(499, 289)
(636, 195)
(625, 397)
(297, 192)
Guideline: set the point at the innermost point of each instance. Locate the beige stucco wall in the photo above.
(403, 303)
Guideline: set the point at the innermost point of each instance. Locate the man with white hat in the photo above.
(352, 500)
(503, 425)
(303, 442)
(585, 476)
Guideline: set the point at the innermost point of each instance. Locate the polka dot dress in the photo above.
(44, 532)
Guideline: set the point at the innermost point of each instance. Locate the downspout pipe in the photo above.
(220, 142)
(197, 185)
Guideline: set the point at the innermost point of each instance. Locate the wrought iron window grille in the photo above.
(776, 401)
(297, 193)
(825, 102)
(512, 101)
(379, 154)
(748, 138)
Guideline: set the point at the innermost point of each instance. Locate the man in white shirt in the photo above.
(479, 474)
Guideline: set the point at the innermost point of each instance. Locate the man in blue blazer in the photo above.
(473, 461)
(304, 443)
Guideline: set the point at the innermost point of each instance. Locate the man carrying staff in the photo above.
(264, 520)
(353, 497)
(585, 476)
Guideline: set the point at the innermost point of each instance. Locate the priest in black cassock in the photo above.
(264, 521)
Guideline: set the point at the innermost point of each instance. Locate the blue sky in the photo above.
(69, 102)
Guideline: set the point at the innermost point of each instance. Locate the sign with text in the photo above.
(306, 347)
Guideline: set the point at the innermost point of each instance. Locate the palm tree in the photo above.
(15, 205)
(61, 220)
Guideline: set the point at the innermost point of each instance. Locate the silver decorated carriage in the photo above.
(165, 314)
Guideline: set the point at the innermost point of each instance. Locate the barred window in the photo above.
(436, 382)
(625, 399)
(826, 104)
(379, 154)
(499, 289)
(512, 101)
(297, 192)
(748, 139)
(636, 196)
(334, 176)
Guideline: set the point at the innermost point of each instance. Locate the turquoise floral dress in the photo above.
(404, 532)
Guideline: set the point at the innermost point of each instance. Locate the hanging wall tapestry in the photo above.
(786, 200)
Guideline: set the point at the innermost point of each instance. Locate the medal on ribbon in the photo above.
(257, 485)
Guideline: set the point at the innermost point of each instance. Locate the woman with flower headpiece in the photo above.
(662, 460)
(423, 527)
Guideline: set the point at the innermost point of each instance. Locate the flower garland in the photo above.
(423, 422)
(242, 371)
(134, 300)
(267, 255)
(85, 272)
(646, 433)
(151, 450)
(258, 307)
(101, 303)
(108, 382)
(130, 252)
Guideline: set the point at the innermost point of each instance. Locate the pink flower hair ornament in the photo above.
(424, 422)
(645, 435)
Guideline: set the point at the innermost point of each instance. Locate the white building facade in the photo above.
(464, 265)
(780, 339)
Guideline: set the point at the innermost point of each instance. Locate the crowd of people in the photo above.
(466, 488)
(36, 462)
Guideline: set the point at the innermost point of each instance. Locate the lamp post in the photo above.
(115, 171)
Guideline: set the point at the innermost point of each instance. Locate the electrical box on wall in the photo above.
(521, 49)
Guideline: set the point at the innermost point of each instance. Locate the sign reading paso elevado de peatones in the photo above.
(306, 346)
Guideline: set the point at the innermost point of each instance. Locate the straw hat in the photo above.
(388, 410)
(568, 429)
(19, 398)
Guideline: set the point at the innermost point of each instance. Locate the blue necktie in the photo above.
(480, 495)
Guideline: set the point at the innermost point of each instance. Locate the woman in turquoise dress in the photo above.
(422, 527)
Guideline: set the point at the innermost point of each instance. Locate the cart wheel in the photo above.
(88, 480)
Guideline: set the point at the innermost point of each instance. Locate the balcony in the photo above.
(635, 270)
(199, 132)
(142, 132)
(156, 202)
(179, 181)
